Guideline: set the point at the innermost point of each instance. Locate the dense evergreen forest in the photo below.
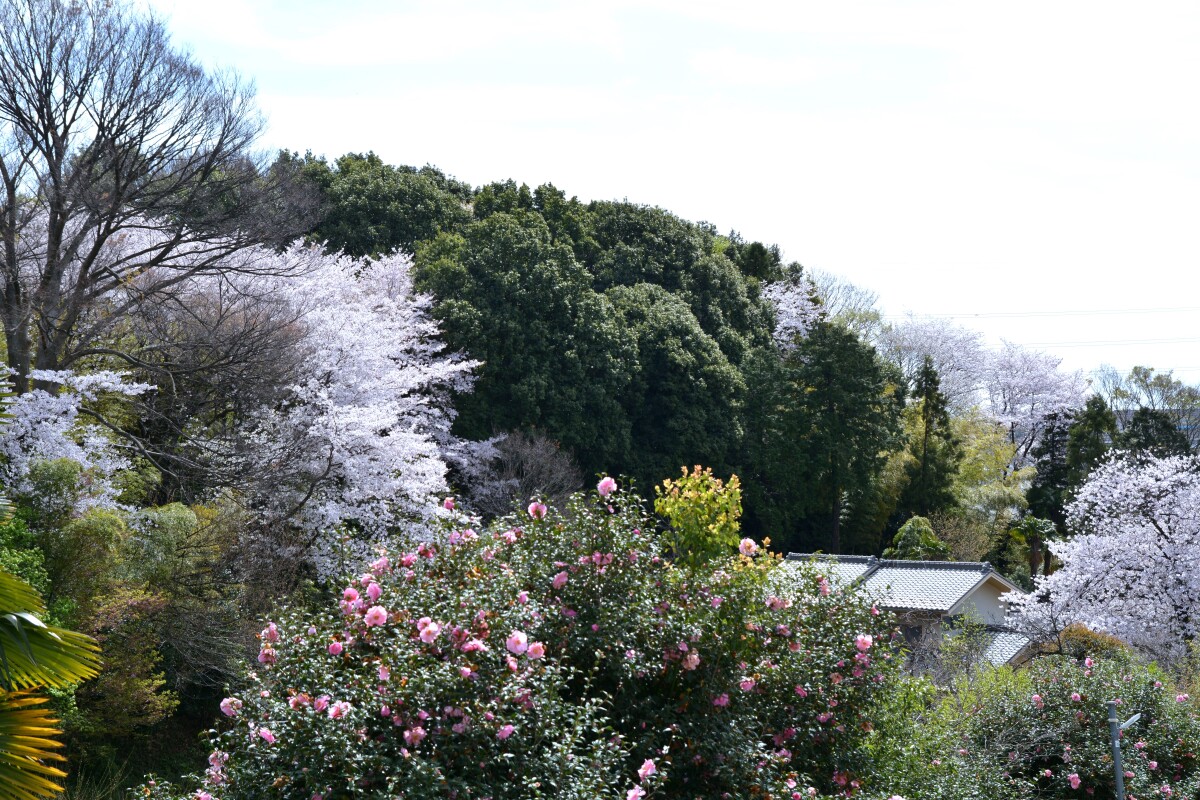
(236, 382)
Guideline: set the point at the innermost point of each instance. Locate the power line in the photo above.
(1067, 313)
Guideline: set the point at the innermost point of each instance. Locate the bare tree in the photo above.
(108, 134)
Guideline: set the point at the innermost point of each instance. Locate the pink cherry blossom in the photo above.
(376, 615)
(517, 642)
(606, 486)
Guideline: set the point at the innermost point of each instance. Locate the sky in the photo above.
(1029, 168)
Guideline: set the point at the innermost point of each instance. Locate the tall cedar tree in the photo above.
(935, 450)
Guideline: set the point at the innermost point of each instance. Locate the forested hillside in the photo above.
(237, 380)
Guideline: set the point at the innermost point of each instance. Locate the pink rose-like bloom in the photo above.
(606, 487)
(376, 615)
(536, 650)
(373, 591)
(747, 684)
(636, 793)
(517, 642)
(230, 706)
(559, 581)
(863, 642)
(537, 510)
(350, 594)
(1037, 701)
(646, 769)
(266, 656)
(522, 597)
(270, 633)
(266, 735)
(448, 504)
(721, 700)
(1087, 662)
(1074, 780)
(691, 661)
(413, 736)
(428, 630)
(505, 732)
(823, 587)
(1076, 697)
(321, 703)
(1181, 698)
(747, 547)
(384, 673)
(202, 795)
(1047, 773)
(1152, 764)
(339, 709)
(335, 648)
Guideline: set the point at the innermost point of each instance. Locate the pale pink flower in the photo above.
(559, 581)
(517, 642)
(863, 642)
(339, 709)
(428, 630)
(721, 700)
(747, 547)
(537, 510)
(380, 566)
(1038, 701)
(350, 594)
(746, 684)
(636, 793)
(373, 591)
(266, 735)
(1074, 780)
(335, 648)
(230, 706)
(505, 732)
(321, 703)
(1152, 764)
(522, 597)
(1181, 698)
(376, 615)
(823, 587)
(1076, 697)
(413, 736)
(384, 673)
(202, 795)
(691, 661)
(266, 656)
(646, 769)
(536, 650)
(606, 486)
(448, 504)
(270, 633)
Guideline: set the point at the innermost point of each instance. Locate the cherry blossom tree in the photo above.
(958, 355)
(793, 300)
(1023, 387)
(1132, 568)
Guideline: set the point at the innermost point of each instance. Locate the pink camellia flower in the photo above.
(1047, 773)
(536, 650)
(1087, 662)
(1166, 790)
(335, 648)
(266, 656)
(800, 690)
(1076, 697)
(559, 581)
(321, 703)
(270, 633)
(505, 732)
(691, 661)
(350, 594)
(413, 736)
(338, 710)
(373, 591)
(537, 510)
(747, 547)
(376, 615)
(230, 706)
(863, 642)
(517, 642)
(746, 684)
(266, 735)
(428, 630)
(1152, 764)
(636, 793)
(448, 504)
(721, 700)
(202, 795)
(823, 586)
(522, 597)
(1181, 698)
(384, 673)
(1074, 780)
(646, 769)
(1038, 701)
(380, 566)
(606, 486)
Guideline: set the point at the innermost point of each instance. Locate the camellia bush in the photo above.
(1042, 732)
(561, 656)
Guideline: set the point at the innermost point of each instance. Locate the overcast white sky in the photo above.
(1013, 160)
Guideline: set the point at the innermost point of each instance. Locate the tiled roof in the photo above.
(907, 585)
(1003, 646)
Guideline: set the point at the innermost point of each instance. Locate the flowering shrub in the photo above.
(1042, 731)
(556, 656)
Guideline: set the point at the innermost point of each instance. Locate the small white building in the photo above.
(926, 594)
